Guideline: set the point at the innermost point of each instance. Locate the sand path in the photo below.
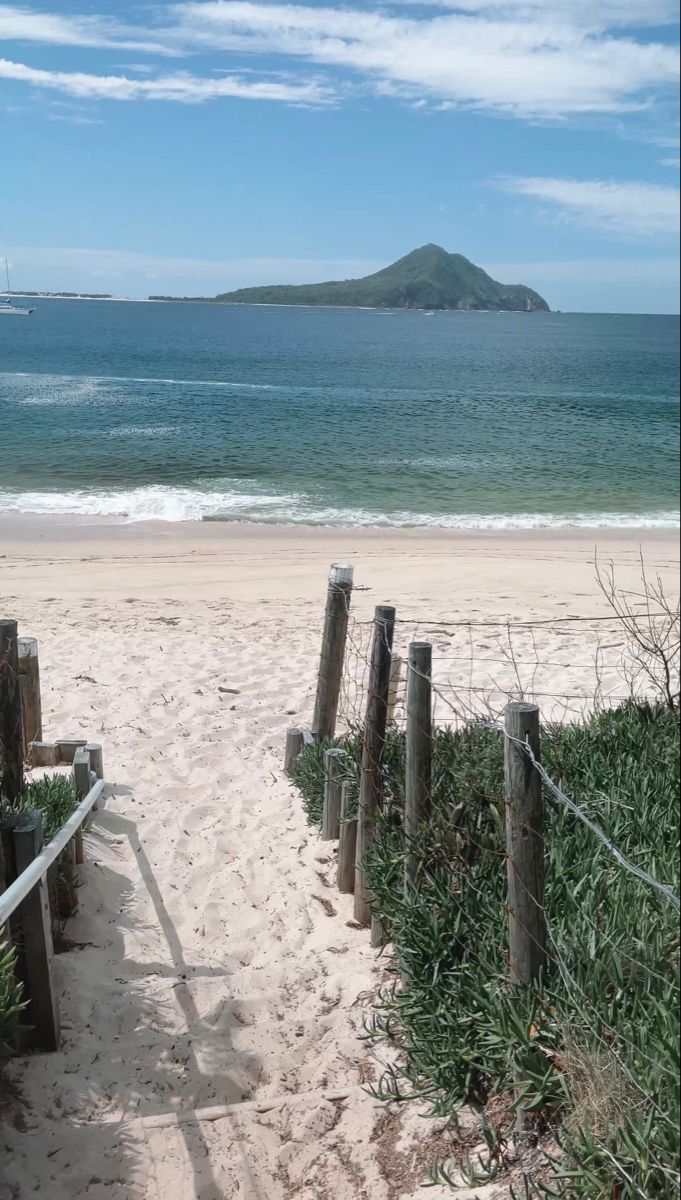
(217, 964)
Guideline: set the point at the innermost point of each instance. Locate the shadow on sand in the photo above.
(151, 1065)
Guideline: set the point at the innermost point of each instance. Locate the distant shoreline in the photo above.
(15, 526)
(272, 304)
(83, 298)
(556, 312)
(346, 307)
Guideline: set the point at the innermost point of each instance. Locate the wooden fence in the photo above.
(352, 820)
(37, 882)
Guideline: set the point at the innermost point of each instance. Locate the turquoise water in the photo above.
(339, 416)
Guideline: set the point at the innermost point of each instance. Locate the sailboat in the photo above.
(6, 306)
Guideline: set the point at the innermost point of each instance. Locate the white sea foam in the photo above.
(57, 391)
(155, 503)
(69, 389)
(159, 503)
(143, 431)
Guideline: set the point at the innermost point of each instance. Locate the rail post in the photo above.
(96, 753)
(11, 733)
(394, 689)
(371, 786)
(333, 783)
(295, 744)
(338, 600)
(347, 844)
(29, 688)
(34, 948)
(81, 779)
(524, 844)
(524, 853)
(419, 752)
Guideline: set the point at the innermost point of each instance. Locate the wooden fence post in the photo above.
(8, 870)
(347, 845)
(371, 786)
(333, 652)
(29, 687)
(295, 742)
(524, 844)
(35, 949)
(419, 751)
(81, 772)
(332, 795)
(81, 779)
(394, 689)
(11, 734)
(94, 749)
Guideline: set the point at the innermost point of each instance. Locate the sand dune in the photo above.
(216, 963)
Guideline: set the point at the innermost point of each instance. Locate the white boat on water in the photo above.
(6, 307)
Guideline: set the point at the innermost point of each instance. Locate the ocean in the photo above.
(339, 416)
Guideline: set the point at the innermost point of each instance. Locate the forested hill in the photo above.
(428, 278)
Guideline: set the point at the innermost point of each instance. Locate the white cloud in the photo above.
(26, 25)
(596, 13)
(530, 58)
(528, 63)
(61, 267)
(592, 270)
(675, 163)
(629, 208)
(616, 285)
(180, 86)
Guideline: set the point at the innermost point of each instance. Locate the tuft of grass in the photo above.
(55, 797)
(594, 1048)
(11, 1004)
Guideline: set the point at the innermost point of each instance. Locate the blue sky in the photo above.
(189, 148)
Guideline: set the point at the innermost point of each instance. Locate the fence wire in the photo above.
(568, 672)
(598, 1048)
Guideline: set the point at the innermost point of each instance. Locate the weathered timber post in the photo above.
(29, 687)
(419, 751)
(347, 845)
(62, 878)
(371, 786)
(81, 772)
(394, 689)
(81, 779)
(333, 783)
(66, 750)
(295, 744)
(524, 844)
(333, 652)
(524, 852)
(94, 749)
(8, 870)
(35, 949)
(11, 734)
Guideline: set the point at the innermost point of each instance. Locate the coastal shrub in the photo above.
(592, 1051)
(55, 797)
(11, 1005)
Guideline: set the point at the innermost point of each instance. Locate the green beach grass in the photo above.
(596, 1041)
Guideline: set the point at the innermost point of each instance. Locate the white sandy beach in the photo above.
(217, 964)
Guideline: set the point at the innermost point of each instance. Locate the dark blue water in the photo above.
(339, 416)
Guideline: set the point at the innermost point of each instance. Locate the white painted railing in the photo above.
(19, 890)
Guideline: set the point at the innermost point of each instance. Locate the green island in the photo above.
(428, 278)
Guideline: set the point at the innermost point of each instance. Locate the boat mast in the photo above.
(9, 291)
